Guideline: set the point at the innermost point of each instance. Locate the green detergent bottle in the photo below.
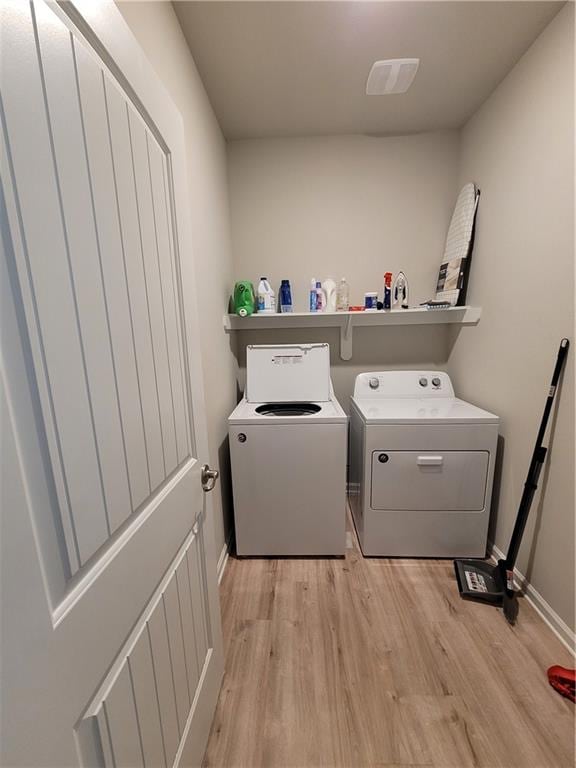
(244, 298)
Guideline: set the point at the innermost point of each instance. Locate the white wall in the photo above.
(519, 148)
(353, 206)
(157, 29)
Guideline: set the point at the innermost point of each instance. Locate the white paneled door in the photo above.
(111, 643)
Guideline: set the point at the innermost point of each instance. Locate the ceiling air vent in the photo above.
(391, 76)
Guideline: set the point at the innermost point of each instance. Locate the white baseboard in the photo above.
(542, 608)
(223, 560)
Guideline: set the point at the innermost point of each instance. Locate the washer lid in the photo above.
(441, 410)
(284, 373)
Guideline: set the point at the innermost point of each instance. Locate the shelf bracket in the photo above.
(346, 339)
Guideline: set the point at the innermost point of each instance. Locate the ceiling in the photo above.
(300, 68)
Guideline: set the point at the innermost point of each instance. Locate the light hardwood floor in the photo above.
(375, 662)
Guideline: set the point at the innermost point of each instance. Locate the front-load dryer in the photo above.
(288, 445)
(421, 466)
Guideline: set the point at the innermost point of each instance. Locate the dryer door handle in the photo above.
(430, 461)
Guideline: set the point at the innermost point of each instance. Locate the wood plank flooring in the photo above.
(357, 662)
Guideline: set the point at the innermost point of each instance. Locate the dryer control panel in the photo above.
(397, 384)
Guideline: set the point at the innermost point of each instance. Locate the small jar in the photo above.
(370, 301)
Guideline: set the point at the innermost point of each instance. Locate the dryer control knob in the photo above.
(423, 381)
(436, 382)
(374, 383)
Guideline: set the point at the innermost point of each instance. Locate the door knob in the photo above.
(208, 477)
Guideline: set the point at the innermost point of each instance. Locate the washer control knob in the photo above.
(436, 382)
(374, 383)
(383, 458)
(423, 381)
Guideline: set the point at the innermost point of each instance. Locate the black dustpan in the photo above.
(492, 583)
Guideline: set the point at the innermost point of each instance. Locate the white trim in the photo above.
(542, 608)
(223, 559)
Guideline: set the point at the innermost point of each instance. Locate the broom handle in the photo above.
(536, 463)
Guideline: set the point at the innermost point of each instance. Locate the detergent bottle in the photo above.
(266, 297)
(244, 299)
(285, 296)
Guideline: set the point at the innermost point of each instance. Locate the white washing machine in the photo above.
(421, 466)
(288, 446)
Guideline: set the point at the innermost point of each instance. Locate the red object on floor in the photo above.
(563, 680)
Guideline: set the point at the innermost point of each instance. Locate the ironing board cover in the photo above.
(453, 275)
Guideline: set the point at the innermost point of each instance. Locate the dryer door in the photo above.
(429, 480)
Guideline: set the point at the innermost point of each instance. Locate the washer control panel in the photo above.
(400, 384)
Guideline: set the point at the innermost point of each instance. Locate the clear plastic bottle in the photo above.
(343, 296)
(266, 297)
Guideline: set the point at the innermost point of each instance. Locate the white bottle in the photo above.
(343, 296)
(329, 288)
(266, 297)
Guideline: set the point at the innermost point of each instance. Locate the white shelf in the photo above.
(346, 321)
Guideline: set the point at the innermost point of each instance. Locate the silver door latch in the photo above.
(208, 477)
